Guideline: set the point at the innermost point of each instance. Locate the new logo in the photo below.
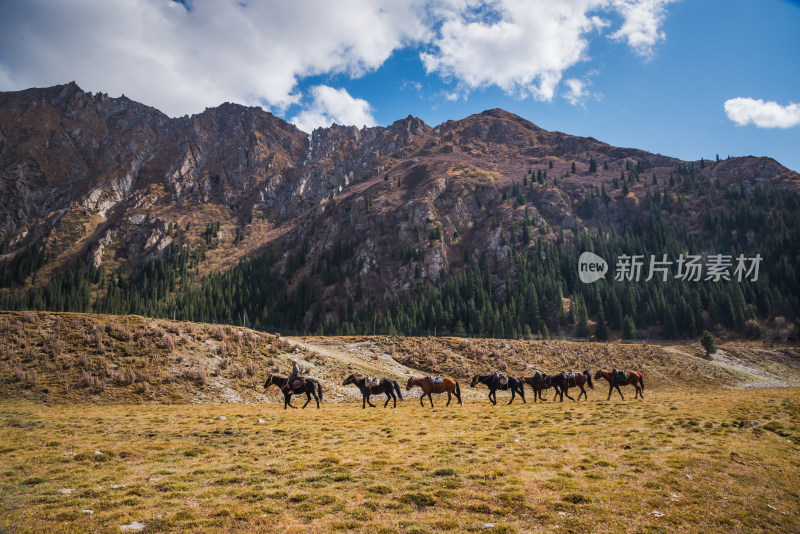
(591, 267)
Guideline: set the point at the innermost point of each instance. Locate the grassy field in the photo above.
(675, 461)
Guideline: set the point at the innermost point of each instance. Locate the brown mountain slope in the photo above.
(118, 182)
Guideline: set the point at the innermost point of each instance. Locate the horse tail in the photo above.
(458, 389)
(641, 380)
(397, 389)
(319, 390)
(588, 376)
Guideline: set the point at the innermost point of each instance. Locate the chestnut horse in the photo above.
(447, 385)
(538, 383)
(634, 379)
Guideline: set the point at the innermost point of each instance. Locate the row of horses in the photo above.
(539, 382)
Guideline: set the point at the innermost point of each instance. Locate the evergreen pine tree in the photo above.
(601, 329)
(628, 328)
(707, 341)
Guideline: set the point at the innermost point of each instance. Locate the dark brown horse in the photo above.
(538, 383)
(494, 382)
(309, 386)
(634, 379)
(563, 381)
(385, 385)
(447, 385)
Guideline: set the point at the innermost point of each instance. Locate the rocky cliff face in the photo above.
(118, 182)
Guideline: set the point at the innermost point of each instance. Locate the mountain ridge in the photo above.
(115, 184)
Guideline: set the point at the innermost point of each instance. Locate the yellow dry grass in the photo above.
(674, 461)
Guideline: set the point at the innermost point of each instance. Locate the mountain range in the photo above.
(110, 205)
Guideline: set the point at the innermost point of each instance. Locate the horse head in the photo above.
(410, 383)
(474, 381)
(601, 373)
(349, 380)
(268, 382)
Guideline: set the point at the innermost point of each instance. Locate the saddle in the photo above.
(372, 382)
(622, 376)
(569, 375)
(437, 380)
(502, 380)
(298, 383)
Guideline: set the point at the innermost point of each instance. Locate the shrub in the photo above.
(169, 342)
(238, 371)
(29, 316)
(57, 347)
(753, 329)
(198, 375)
(88, 379)
(218, 333)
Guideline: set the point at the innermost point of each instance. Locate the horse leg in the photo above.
(449, 398)
(583, 393)
(513, 394)
(287, 400)
(610, 390)
(422, 397)
(314, 393)
(566, 392)
(389, 396)
(430, 398)
(368, 402)
(494, 400)
(363, 401)
(620, 392)
(522, 393)
(308, 399)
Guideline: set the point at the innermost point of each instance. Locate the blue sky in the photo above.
(686, 78)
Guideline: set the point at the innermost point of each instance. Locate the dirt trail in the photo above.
(758, 368)
(361, 355)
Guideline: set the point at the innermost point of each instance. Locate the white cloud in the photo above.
(258, 53)
(642, 20)
(330, 106)
(576, 92)
(525, 46)
(182, 61)
(523, 49)
(745, 111)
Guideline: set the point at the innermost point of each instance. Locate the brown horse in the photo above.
(538, 383)
(563, 381)
(447, 385)
(634, 379)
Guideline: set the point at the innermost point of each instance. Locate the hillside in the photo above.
(56, 358)
(235, 216)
